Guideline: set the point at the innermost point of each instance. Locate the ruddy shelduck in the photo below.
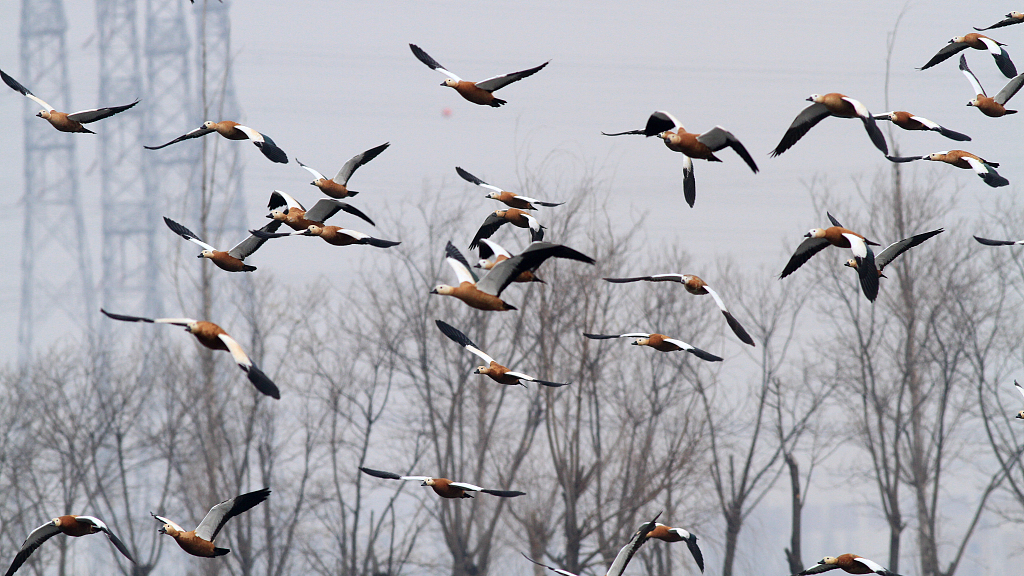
(669, 534)
(233, 131)
(908, 121)
(850, 563)
(962, 159)
(690, 145)
(61, 120)
(1011, 19)
(995, 106)
(215, 338)
(333, 235)
(488, 248)
(200, 542)
(698, 287)
(659, 342)
(483, 294)
(823, 106)
(513, 216)
(69, 525)
(492, 369)
(978, 42)
(443, 487)
(895, 249)
(337, 187)
(511, 199)
(625, 554)
(476, 92)
(818, 239)
(231, 260)
(289, 211)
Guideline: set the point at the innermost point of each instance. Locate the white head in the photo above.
(209, 124)
(443, 289)
(44, 114)
(955, 39)
(450, 83)
(828, 560)
(814, 98)
(936, 156)
(815, 233)
(205, 254)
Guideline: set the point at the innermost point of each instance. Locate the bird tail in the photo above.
(498, 102)
(378, 242)
(220, 551)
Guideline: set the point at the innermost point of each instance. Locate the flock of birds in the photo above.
(499, 269)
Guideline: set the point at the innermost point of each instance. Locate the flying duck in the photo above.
(443, 487)
(488, 248)
(511, 199)
(495, 371)
(690, 145)
(476, 92)
(996, 106)
(978, 42)
(818, 239)
(831, 104)
(624, 555)
(698, 287)
(337, 187)
(669, 534)
(232, 260)
(659, 342)
(286, 209)
(200, 542)
(850, 563)
(233, 131)
(483, 294)
(215, 338)
(895, 249)
(69, 525)
(61, 120)
(1011, 19)
(333, 235)
(962, 159)
(1020, 415)
(908, 121)
(513, 216)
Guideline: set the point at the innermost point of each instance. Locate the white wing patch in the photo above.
(252, 134)
(175, 321)
(170, 523)
(857, 245)
(461, 272)
(718, 299)
(316, 175)
(465, 486)
(679, 343)
(861, 110)
(978, 166)
(483, 355)
(236, 351)
(496, 248)
(871, 564)
(1019, 388)
(931, 125)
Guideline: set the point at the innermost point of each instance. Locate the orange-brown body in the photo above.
(904, 120)
(475, 298)
(513, 201)
(469, 91)
(60, 121)
(687, 143)
(498, 373)
(834, 234)
(847, 563)
(956, 158)
(225, 261)
(194, 545)
(664, 533)
(837, 106)
(70, 526)
(695, 285)
(442, 488)
(331, 188)
(226, 128)
(295, 218)
(208, 335)
(332, 235)
(514, 216)
(989, 107)
(974, 40)
(657, 341)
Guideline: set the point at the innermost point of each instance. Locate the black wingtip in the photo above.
(262, 382)
(989, 242)
(380, 473)
(703, 355)
(737, 329)
(378, 242)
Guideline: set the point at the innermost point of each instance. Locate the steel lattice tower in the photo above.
(56, 268)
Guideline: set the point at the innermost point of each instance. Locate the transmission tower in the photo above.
(56, 271)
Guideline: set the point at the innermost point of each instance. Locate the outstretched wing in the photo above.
(256, 376)
(87, 116)
(431, 63)
(975, 83)
(35, 540)
(461, 339)
(631, 548)
(266, 145)
(459, 264)
(874, 132)
(226, 510)
(987, 172)
(626, 335)
(868, 273)
(687, 347)
(198, 132)
(653, 278)
(24, 91)
(253, 242)
(896, 248)
(327, 207)
(1011, 88)
(1003, 61)
(804, 251)
(187, 234)
(316, 175)
(492, 84)
(505, 272)
(356, 161)
(818, 569)
(657, 122)
(487, 229)
(943, 54)
(803, 122)
(102, 526)
(474, 180)
(988, 242)
(737, 328)
(283, 201)
(718, 138)
(555, 570)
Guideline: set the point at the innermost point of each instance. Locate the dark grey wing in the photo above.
(633, 279)
(1011, 88)
(804, 251)
(489, 227)
(737, 328)
(602, 336)
(555, 570)
(947, 51)
(1004, 63)
(691, 543)
(657, 123)
(455, 334)
(87, 116)
(504, 493)
(630, 549)
(718, 138)
(875, 133)
(198, 132)
(954, 135)
(1009, 21)
(492, 84)
(470, 178)
(380, 473)
(833, 220)
(14, 84)
(35, 540)
(551, 384)
(184, 232)
(868, 273)
(803, 122)
(988, 242)
(703, 354)
(261, 381)
(896, 248)
(119, 545)
(124, 318)
(505, 272)
(689, 181)
(226, 510)
(327, 207)
(356, 161)
(251, 244)
(817, 569)
(271, 150)
(425, 58)
(903, 159)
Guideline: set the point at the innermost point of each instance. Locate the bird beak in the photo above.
(477, 371)
(271, 216)
(199, 256)
(442, 84)
(809, 99)
(433, 290)
(808, 235)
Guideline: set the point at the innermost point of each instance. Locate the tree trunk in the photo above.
(793, 553)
